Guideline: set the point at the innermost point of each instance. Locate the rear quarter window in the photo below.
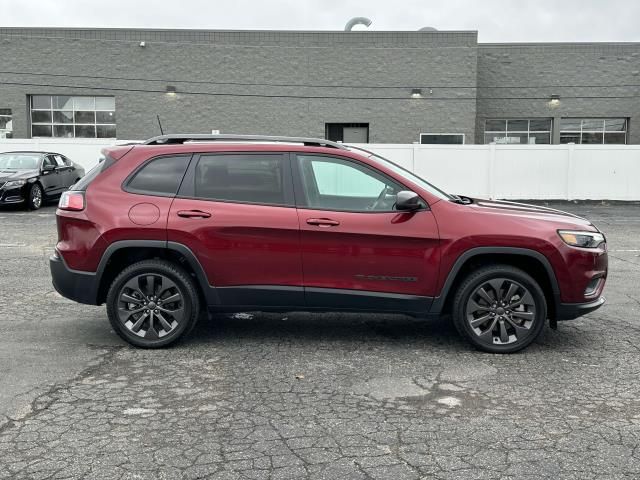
(160, 176)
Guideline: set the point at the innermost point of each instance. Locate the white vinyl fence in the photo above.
(544, 172)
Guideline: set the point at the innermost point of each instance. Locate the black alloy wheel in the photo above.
(152, 303)
(500, 309)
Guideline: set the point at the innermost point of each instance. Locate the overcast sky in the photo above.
(495, 20)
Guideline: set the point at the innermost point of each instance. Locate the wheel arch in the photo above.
(531, 261)
(121, 254)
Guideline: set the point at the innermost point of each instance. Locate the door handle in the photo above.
(323, 222)
(193, 214)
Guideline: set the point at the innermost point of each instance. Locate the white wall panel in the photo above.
(545, 172)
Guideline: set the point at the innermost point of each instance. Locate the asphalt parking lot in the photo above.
(313, 396)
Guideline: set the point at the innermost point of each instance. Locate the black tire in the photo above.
(480, 317)
(35, 197)
(142, 285)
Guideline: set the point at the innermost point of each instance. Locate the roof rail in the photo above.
(185, 138)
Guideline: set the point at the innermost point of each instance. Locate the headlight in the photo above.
(14, 183)
(582, 239)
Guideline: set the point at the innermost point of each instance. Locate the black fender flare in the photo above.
(438, 302)
(209, 292)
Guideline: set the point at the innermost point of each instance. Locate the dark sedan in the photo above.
(35, 177)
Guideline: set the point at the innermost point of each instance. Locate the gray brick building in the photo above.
(383, 87)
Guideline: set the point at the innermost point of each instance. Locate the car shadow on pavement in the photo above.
(341, 328)
(324, 327)
(47, 207)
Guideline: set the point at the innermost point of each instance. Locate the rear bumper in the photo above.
(569, 311)
(78, 286)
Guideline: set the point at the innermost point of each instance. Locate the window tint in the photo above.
(335, 184)
(241, 178)
(161, 176)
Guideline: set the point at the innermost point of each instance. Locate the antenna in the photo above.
(160, 125)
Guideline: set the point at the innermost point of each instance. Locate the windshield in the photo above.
(403, 172)
(19, 161)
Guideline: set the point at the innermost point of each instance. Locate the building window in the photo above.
(442, 138)
(518, 131)
(6, 123)
(73, 117)
(593, 130)
(347, 132)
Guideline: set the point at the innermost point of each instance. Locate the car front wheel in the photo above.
(152, 303)
(499, 309)
(34, 198)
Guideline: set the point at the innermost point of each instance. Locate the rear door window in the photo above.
(59, 161)
(244, 178)
(49, 161)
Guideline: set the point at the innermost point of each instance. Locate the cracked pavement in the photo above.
(331, 396)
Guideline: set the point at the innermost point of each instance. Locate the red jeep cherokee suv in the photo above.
(162, 230)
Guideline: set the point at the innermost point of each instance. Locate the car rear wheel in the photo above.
(34, 199)
(499, 309)
(153, 303)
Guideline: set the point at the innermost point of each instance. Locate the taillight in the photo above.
(71, 200)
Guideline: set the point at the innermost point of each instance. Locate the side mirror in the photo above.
(408, 201)
(48, 168)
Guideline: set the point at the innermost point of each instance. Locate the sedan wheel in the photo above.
(34, 201)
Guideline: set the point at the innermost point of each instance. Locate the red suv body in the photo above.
(290, 224)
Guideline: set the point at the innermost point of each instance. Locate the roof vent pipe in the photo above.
(356, 21)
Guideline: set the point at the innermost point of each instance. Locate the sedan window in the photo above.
(19, 161)
(49, 161)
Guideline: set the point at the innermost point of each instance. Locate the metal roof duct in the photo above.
(356, 21)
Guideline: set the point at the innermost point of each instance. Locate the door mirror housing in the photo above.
(408, 201)
(48, 168)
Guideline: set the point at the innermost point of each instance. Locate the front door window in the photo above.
(336, 184)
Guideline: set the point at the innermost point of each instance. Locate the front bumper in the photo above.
(15, 195)
(569, 311)
(78, 286)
